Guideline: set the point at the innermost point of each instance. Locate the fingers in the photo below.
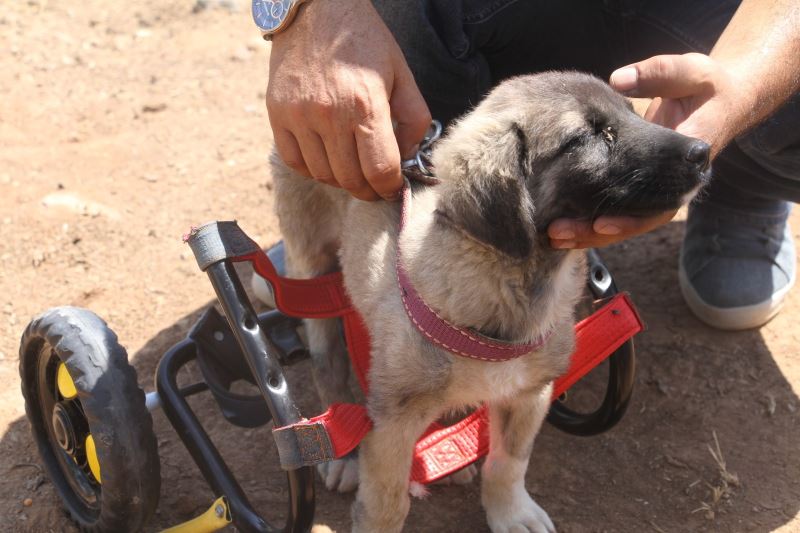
(667, 76)
(569, 233)
(289, 151)
(410, 112)
(379, 154)
(352, 146)
(315, 156)
(343, 157)
(361, 158)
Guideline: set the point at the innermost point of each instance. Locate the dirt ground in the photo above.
(121, 124)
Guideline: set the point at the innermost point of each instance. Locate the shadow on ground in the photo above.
(653, 472)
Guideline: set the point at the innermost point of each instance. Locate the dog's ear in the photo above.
(488, 197)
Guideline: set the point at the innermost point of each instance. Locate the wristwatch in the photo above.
(274, 16)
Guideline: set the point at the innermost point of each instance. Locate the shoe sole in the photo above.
(732, 318)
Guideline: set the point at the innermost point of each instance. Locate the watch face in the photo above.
(269, 14)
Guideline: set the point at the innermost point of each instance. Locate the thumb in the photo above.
(409, 111)
(667, 76)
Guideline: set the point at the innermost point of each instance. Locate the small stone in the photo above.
(27, 502)
(154, 108)
(38, 258)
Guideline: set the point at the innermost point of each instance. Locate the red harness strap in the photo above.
(441, 450)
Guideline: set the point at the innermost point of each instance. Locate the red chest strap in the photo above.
(441, 450)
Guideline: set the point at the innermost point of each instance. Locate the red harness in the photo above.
(441, 450)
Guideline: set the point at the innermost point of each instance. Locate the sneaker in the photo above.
(737, 262)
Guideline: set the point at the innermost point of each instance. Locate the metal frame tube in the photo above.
(621, 369)
(197, 442)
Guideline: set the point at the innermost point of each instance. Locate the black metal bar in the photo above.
(269, 378)
(621, 369)
(194, 388)
(202, 450)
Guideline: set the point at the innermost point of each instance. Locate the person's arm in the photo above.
(752, 70)
(337, 79)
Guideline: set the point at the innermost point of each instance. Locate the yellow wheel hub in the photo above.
(65, 384)
(91, 457)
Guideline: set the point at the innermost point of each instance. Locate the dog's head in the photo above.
(559, 144)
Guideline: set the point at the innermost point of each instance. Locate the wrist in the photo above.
(277, 17)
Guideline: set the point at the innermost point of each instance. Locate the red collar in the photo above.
(454, 339)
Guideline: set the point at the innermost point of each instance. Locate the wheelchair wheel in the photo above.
(89, 420)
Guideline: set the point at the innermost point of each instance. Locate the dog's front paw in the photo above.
(340, 475)
(517, 513)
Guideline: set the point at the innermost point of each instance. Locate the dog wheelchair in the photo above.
(92, 425)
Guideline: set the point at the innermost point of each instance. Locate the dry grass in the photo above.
(722, 490)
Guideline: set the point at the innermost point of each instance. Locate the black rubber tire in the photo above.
(114, 407)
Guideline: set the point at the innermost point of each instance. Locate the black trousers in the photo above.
(459, 49)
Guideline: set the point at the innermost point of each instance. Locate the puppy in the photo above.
(476, 250)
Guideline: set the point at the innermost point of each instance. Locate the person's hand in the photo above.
(337, 80)
(692, 94)
(573, 233)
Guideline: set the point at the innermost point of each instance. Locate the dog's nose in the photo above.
(698, 154)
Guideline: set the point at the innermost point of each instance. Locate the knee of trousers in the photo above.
(775, 143)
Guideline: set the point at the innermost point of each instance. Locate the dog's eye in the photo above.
(609, 134)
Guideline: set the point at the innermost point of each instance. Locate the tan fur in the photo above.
(411, 382)
(517, 291)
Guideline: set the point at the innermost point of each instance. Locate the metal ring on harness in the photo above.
(424, 152)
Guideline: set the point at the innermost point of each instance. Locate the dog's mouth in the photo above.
(644, 199)
(653, 197)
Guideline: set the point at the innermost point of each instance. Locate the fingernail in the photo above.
(563, 233)
(563, 244)
(625, 79)
(608, 229)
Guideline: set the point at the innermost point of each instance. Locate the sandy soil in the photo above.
(123, 124)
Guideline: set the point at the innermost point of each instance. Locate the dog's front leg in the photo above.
(330, 368)
(514, 424)
(385, 455)
(310, 252)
